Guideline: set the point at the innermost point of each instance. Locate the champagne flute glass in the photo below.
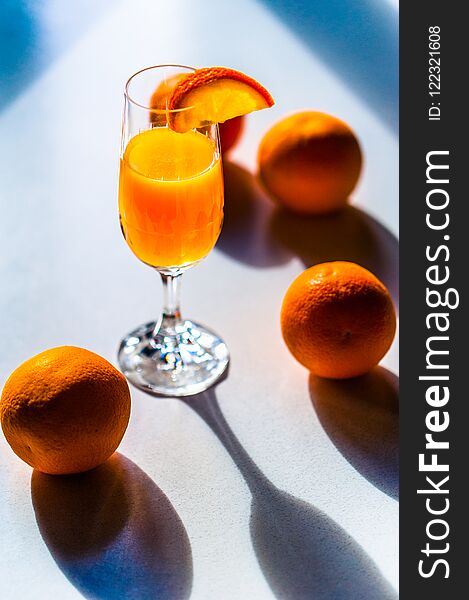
(171, 213)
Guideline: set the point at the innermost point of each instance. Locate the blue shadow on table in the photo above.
(114, 533)
(302, 552)
(262, 235)
(19, 33)
(247, 209)
(350, 235)
(360, 42)
(28, 43)
(361, 417)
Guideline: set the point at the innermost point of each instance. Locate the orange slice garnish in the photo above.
(214, 95)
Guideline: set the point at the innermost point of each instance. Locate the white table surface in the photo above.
(181, 512)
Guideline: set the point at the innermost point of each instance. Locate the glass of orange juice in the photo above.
(171, 213)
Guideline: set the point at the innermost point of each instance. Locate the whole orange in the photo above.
(310, 162)
(230, 132)
(65, 410)
(338, 320)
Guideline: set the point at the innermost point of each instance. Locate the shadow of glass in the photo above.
(301, 551)
(347, 235)
(361, 417)
(247, 213)
(359, 40)
(305, 554)
(114, 533)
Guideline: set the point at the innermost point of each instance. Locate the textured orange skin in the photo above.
(338, 320)
(65, 410)
(230, 132)
(310, 162)
(204, 78)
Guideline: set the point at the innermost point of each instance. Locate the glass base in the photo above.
(183, 364)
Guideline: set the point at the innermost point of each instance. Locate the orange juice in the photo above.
(170, 196)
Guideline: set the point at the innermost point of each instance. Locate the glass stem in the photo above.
(171, 315)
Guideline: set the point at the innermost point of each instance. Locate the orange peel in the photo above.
(214, 95)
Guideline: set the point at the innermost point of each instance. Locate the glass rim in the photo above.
(158, 111)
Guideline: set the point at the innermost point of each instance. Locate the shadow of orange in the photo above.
(361, 417)
(114, 533)
(244, 236)
(349, 235)
(260, 234)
